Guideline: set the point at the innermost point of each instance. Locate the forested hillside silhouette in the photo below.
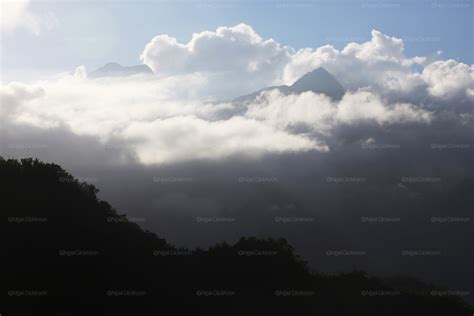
(65, 252)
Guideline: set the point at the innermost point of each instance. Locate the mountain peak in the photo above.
(318, 81)
(112, 65)
(116, 70)
(315, 74)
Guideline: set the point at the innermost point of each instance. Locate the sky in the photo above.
(58, 36)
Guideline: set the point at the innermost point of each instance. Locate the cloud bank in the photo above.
(17, 14)
(238, 57)
(176, 115)
(145, 115)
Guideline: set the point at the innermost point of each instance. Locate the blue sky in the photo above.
(94, 33)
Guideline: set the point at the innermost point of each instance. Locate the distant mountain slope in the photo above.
(65, 252)
(117, 70)
(317, 81)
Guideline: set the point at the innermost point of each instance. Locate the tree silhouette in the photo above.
(65, 252)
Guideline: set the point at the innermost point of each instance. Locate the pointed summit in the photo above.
(317, 81)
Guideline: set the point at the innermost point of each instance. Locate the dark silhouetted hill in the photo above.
(65, 252)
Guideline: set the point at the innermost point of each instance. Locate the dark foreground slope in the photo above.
(64, 252)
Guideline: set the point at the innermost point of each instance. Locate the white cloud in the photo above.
(165, 118)
(236, 59)
(245, 59)
(160, 125)
(80, 72)
(189, 138)
(313, 110)
(321, 114)
(366, 106)
(17, 14)
(379, 63)
(449, 79)
(144, 114)
(12, 96)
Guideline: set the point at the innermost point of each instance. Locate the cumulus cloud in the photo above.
(168, 117)
(449, 79)
(379, 63)
(236, 60)
(17, 14)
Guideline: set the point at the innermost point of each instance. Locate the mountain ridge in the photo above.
(74, 249)
(113, 69)
(318, 81)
